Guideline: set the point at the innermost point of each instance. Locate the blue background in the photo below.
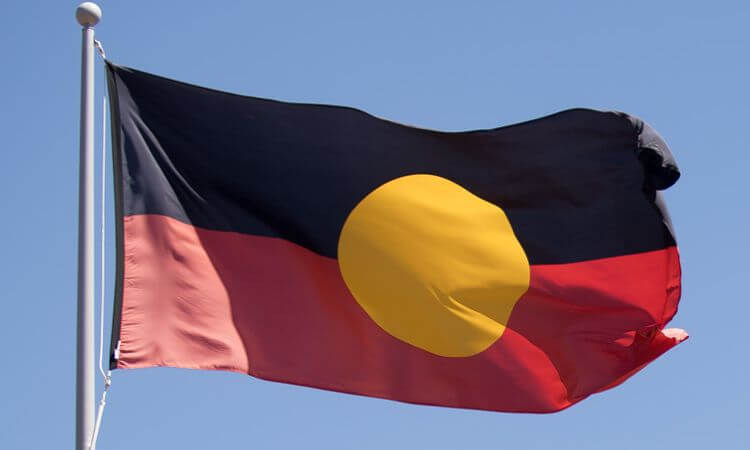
(683, 66)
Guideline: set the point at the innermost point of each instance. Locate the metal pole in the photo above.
(88, 15)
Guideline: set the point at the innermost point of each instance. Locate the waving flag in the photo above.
(521, 268)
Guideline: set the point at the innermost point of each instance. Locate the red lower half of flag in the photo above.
(195, 298)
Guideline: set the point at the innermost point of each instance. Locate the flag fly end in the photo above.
(677, 334)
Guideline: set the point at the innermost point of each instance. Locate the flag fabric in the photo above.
(521, 268)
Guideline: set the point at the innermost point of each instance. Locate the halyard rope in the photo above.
(106, 375)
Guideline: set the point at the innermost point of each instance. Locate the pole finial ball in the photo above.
(88, 14)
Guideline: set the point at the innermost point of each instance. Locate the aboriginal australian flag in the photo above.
(521, 268)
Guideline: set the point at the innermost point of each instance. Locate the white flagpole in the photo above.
(88, 15)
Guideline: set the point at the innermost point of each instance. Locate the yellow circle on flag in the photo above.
(433, 264)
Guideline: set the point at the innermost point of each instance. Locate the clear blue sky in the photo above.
(683, 66)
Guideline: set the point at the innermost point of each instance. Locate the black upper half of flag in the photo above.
(576, 185)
